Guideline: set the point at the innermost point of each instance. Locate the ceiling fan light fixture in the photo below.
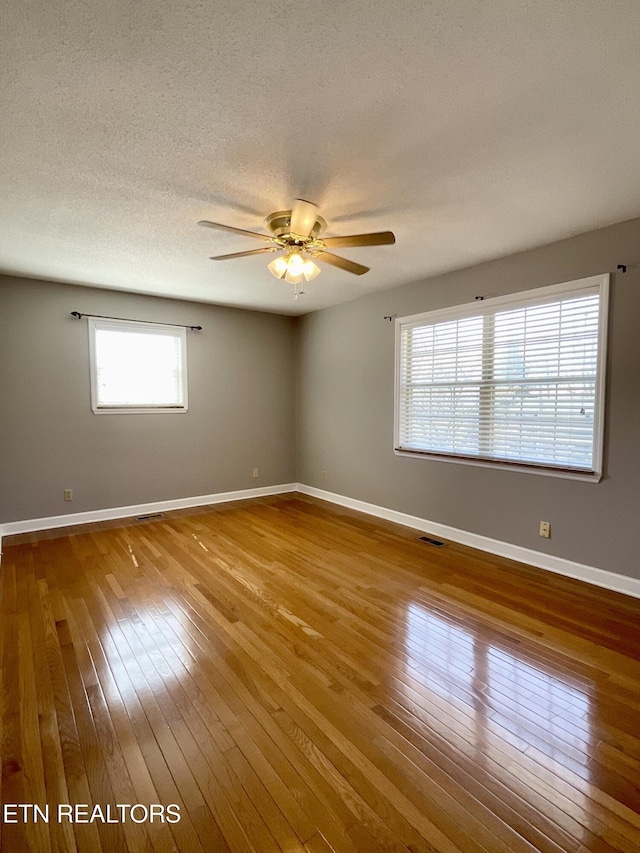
(310, 270)
(293, 267)
(279, 266)
(290, 278)
(295, 264)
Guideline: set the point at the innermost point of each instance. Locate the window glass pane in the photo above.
(445, 352)
(547, 340)
(442, 418)
(138, 369)
(552, 422)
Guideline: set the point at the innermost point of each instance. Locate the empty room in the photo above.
(319, 437)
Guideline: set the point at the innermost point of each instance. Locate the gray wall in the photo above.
(344, 388)
(241, 405)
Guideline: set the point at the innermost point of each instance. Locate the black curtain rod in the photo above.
(151, 322)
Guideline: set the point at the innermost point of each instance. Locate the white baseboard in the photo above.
(590, 574)
(33, 524)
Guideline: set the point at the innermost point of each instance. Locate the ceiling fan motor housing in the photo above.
(279, 223)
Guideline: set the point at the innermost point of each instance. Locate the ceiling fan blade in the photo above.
(378, 238)
(343, 263)
(244, 254)
(253, 234)
(303, 217)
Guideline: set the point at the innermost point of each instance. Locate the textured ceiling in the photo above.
(473, 129)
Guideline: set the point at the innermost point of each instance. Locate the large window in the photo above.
(137, 367)
(516, 380)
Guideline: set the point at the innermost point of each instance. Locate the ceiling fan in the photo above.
(295, 235)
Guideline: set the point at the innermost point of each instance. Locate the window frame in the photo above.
(96, 324)
(489, 306)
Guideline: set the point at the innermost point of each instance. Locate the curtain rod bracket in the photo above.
(622, 267)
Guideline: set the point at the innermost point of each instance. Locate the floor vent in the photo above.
(147, 517)
(430, 541)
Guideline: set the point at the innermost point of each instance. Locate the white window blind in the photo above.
(137, 367)
(515, 380)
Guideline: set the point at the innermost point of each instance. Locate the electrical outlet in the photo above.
(324, 475)
(68, 494)
(545, 529)
(256, 473)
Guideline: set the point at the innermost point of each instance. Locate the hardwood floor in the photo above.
(296, 677)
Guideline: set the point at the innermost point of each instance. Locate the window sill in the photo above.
(521, 467)
(139, 410)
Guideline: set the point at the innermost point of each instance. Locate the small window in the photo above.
(137, 367)
(517, 381)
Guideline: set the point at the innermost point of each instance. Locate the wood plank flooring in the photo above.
(295, 677)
